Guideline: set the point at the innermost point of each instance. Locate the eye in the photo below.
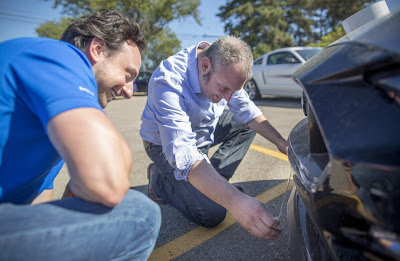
(128, 77)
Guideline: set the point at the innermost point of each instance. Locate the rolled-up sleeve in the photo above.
(243, 108)
(177, 138)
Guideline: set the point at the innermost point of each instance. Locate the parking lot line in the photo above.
(199, 235)
(269, 152)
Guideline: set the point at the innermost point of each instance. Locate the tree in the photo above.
(259, 23)
(330, 14)
(52, 29)
(153, 17)
(270, 24)
(299, 21)
(165, 42)
(329, 38)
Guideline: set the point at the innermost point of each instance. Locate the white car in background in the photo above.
(272, 72)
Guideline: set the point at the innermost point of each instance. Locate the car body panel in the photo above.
(272, 72)
(346, 153)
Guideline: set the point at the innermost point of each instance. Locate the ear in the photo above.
(96, 48)
(205, 65)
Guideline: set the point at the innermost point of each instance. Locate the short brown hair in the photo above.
(229, 50)
(110, 26)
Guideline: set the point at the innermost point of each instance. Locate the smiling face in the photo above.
(114, 74)
(221, 84)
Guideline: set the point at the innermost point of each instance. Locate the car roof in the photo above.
(295, 48)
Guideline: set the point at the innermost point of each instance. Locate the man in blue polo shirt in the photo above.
(185, 115)
(52, 95)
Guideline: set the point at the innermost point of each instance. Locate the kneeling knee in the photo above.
(211, 218)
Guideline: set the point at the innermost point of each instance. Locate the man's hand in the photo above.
(283, 146)
(248, 212)
(252, 215)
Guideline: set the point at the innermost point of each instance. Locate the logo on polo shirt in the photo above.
(86, 90)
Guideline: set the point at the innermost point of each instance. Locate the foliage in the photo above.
(153, 17)
(165, 42)
(331, 37)
(259, 23)
(270, 24)
(330, 14)
(53, 29)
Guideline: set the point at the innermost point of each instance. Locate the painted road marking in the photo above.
(200, 234)
(275, 154)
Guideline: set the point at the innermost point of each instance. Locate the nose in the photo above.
(127, 90)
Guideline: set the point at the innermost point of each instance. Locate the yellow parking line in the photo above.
(200, 234)
(269, 152)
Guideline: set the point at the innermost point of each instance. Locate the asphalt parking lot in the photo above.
(263, 173)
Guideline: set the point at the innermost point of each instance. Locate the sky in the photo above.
(20, 18)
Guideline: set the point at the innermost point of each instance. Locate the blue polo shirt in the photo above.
(39, 78)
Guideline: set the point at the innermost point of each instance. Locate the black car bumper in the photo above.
(304, 239)
(346, 154)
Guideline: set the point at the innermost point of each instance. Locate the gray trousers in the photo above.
(235, 139)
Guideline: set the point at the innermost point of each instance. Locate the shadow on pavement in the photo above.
(174, 224)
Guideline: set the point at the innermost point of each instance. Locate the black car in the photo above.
(345, 154)
(142, 81)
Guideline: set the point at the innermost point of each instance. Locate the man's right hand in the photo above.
(248, 212)
(253, 216)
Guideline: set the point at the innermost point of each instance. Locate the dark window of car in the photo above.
(143, 76)
(282, 58)
(307, 54)
(258, 61)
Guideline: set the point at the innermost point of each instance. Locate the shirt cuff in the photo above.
(183, 174)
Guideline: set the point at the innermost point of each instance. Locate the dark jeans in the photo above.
(236, 139)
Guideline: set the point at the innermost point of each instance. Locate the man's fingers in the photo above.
(265, 233)
(269, 220)
(268, 226)
(261, 230)
(257, 220)
(268, 231)
(274, 232)
(276, 223)
(256, 232)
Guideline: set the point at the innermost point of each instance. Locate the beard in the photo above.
(207, 90)
(103, 100)
(207, 77)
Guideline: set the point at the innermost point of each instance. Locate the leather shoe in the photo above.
(153, 196)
